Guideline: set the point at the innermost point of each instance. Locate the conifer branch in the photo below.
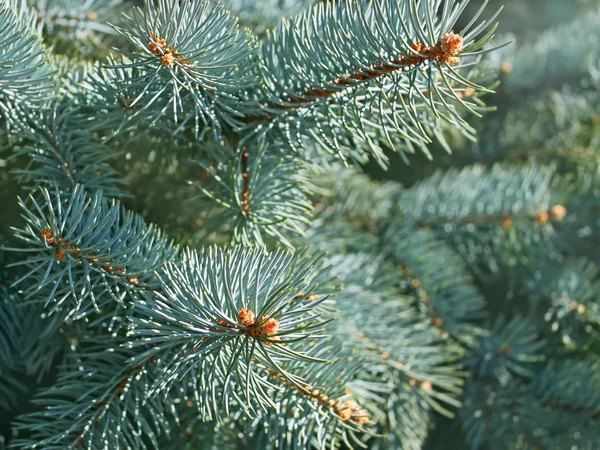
(346, 410)
(62, 153)
(295, 350)
(260, 191)
(201, 70)
(447, 51)
(372, 62)
(26, 78)
(222, 319)
(522, 200)
(105, 402)
(75, 18)
(92, 246)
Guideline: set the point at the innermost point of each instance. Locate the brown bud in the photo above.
(159, 46)
(47, 235)
(451, 43)
(322, 398)
(417, 47)
(168, 58)
(543, 217)
(222, 323)
(351, 404)
(246, 317)
(345, 414)
(452, 60)
(574, 305)
(271, 326)
(558, 212)
(361, 420)
(506, 68)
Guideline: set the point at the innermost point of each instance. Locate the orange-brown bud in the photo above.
(345, 414)
(506, 68)
(47, 235)
(270, 327)
(574, 305)
(361, 420)
(451, 44)
(158, 46)
(246, 317)
(543, 217)
(168, 59)
(558, 212)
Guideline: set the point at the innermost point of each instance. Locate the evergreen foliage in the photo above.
(197, 252)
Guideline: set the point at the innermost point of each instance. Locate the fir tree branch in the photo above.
(87, 247)
(320, 412)
(555, 59)
(446, 51)
(62, 152)
(260, 191)
(200, 71)
(97, 401)
(77, 18)
(232, 311)
(512, 349)
(344, 64)
(26, 79)
(499, 203)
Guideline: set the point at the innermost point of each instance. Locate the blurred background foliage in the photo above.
(521, 21)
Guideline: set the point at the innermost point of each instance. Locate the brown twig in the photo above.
(556, 214)
(64, 248)
(425, 299)
(346, 409)
(425, 385)
(119, 388)
(246, 188)
(92, 17)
